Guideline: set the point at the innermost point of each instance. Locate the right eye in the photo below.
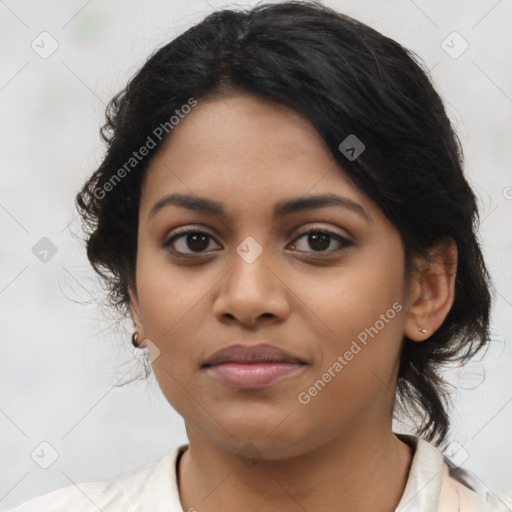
(191, 239)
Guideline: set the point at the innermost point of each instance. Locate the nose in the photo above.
(251, 290)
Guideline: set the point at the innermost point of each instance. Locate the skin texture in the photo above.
(253, 449)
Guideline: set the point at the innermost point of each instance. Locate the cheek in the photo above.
(357, 373)
(361, 309)
(365, 291)
(170, 302)
(167, 293)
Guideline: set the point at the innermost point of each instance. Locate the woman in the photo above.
(282, 211)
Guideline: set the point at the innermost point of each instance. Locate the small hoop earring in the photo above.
(422, 330)
(135, 339)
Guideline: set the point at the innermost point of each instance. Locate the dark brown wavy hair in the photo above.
(346, 78)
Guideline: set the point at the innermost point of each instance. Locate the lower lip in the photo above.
(253, 375)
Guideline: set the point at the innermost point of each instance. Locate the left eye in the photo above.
(320, 240)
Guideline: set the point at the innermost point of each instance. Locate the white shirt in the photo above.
(432, 486)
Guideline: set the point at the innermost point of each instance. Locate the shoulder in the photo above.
(152, 485)
(470, 493)
(81, 497)
(436, 484)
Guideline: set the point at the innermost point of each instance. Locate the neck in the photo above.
(336, 475)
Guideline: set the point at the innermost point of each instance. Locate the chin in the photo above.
(268, 438)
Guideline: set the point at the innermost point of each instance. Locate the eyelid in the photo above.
(305, 229)
(319, 227)
(189, 228)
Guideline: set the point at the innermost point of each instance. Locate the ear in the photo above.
(136, 317)
(431, 290)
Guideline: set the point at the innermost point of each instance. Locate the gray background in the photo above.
(62, 353)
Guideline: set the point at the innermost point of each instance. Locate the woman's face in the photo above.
(252, 277)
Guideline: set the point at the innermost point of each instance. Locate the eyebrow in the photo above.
(281, 209)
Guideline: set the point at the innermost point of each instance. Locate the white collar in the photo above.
(432, 485)
(436, 485)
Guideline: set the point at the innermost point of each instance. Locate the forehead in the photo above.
(247, 150)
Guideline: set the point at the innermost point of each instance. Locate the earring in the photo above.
(422, 330)
(135, 339)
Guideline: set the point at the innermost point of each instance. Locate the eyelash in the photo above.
(344, 242)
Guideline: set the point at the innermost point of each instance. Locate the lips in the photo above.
(261, 353)
(252, 366)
